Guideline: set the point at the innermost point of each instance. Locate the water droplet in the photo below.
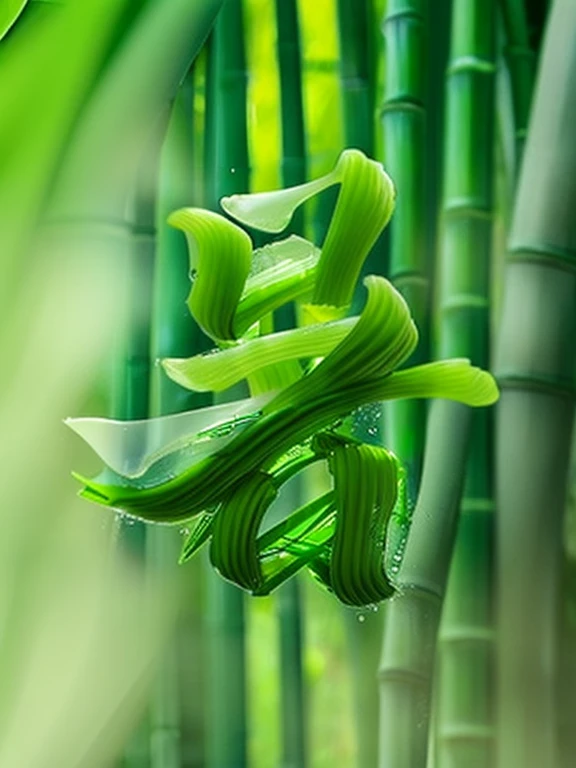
(232, 170)
(361, 618)
(192, 274)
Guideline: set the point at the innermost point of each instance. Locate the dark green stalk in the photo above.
(355, 84)
(521, 60)
(293, 710)
(404, 138)
(413, 615)
(535, 363)
(465, 732)
(323, 126)
(357, 93)
(226, 173)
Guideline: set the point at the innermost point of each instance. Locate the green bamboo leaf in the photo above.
(220, 256)
(234, 549)
(10, 10)
(367, 195)
(272, 211)
(131, 448)
(219, 370)
(381, 340)
(366, 486)
(453, 379)
(356, 372)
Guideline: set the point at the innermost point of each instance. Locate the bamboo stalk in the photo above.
(535, 366)
(521, 60)
(357, 93)
(403, 130)
(404, 139)
(355, 85)
(465, 733)
(289, 599)
(413, 615)
(321, 104)
(226, 172)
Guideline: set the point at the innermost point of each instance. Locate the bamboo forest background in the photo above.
(113, 114)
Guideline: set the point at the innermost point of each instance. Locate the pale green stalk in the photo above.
(413, 615)
(535, 364)
(464, 726)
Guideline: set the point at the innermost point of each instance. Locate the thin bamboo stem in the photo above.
(465, 734)
(357, 93)
(226, 172)
(413, 615)
(521, 60)
(355, 85)
(289, 600)
(404, 139)
(535, 367)
(403, 118)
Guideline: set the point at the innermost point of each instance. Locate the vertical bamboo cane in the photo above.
(403, 123)
(293, 708)
(535, 363)
(403, 128)
(357, 91)
(226, 172)
(465, 712)
(521, 67)
(413, 615)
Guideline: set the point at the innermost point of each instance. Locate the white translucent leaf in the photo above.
(130, 448)
(272, 211)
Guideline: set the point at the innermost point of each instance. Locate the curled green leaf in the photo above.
(234, 550)
(366, 483)
(454, 379)
(217, 371)
(220, 257)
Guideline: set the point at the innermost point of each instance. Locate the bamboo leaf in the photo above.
(357, 371)
(131, 448)
(234, 550)
(381, 340)
(219, 370)
(453, 379)
(220, 255)
(365, 482)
